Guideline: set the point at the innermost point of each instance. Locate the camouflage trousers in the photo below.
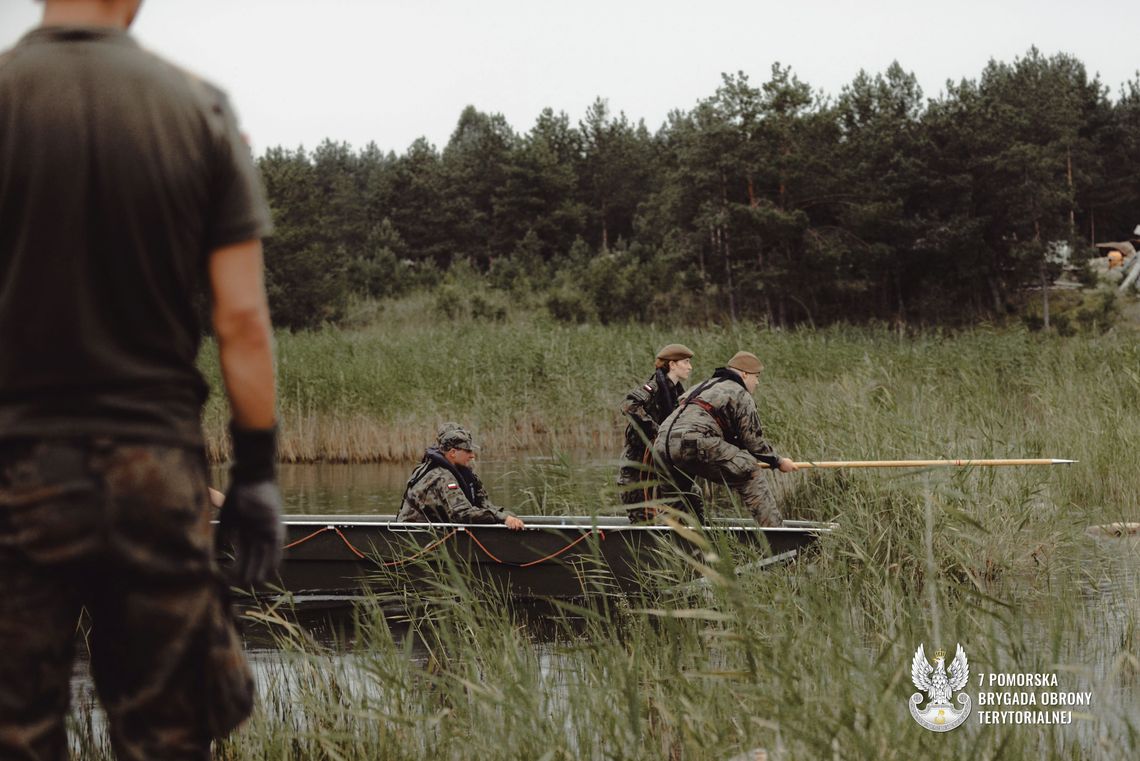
(633, 471)
(690, 456)
(122, 531)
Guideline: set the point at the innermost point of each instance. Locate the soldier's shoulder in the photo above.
(209, 100)
(728, 389)
(643, 392)
(741, 398)
(433, 478)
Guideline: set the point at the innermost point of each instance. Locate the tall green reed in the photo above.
(808, 660)
(378, 392)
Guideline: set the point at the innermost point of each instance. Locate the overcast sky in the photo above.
(390, 71)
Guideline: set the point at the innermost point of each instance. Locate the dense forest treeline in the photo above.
(765, 201)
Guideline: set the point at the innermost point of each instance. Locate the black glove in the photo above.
(771, 460)
(251, 514)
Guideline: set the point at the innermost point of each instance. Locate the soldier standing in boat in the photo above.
(444, 489)
(715, 434)
(125, 187)
(644, 408)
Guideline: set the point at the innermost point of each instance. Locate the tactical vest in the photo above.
(434, 459)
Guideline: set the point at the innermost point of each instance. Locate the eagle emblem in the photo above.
(939, 686)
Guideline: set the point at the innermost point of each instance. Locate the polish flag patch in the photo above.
(453, 486)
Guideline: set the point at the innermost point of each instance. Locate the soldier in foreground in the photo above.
(444, 489)
(644, 408)
(715, 433)
(125, 187)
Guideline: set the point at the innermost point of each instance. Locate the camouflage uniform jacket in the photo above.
(439, 492)
(645, 407)
(733, 416)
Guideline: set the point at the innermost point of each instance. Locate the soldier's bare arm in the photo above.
(244, 335)
(250, 520)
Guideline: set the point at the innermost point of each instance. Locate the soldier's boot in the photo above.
(633, 491)
(695, 502)
(632, 482)
(670, 495)
(687, 497)
(757, 496)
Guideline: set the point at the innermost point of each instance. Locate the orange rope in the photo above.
(551, 556)
(489, 554)
(440, 541)
(425, 550)
(348, 544)
(307, 538)
(556, 554)
(362, 555)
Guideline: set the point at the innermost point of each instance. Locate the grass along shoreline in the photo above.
(809, 660)
(378, 392)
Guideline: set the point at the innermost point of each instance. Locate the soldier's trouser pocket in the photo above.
(229, 682)
(733, 463)
(742, 465)
(693, 447)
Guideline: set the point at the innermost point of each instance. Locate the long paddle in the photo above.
(925, 463)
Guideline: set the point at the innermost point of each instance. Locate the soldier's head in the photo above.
(748, 366)
(456, 444)
(118, 14)
(676, 360)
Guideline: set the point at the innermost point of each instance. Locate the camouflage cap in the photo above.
(454, 436)
(674, 352)
(746, 362)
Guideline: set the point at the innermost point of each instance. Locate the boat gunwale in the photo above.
(361, 521)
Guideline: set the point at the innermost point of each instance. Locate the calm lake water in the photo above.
(534, 485)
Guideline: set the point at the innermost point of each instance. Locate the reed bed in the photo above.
(718, 660)
(809, 661)
(378, 392)
(805, 661)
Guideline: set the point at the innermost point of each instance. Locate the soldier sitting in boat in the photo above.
(444, 489)
(644, 408)
(715, 433)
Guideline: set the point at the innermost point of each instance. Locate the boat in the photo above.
(553, 557)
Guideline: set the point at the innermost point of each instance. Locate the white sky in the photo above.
(390, 71)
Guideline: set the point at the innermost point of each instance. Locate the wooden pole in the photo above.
(927, 463)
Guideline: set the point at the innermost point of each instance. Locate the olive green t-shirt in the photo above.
(119, 174)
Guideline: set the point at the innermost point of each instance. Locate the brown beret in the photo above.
(746, 361)
(674, 352)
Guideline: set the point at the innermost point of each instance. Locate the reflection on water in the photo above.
(1109, 630)
(536, 485)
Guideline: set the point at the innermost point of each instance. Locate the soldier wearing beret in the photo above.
(644, 408)
(444, 489)
(715, 433)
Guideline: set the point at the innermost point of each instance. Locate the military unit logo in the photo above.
(939, 715)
